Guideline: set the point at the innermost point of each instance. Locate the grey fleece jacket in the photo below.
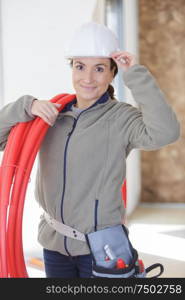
(82, 160)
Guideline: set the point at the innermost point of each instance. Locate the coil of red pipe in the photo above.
(19, 155)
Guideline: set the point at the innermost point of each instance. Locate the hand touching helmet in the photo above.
(124, 60)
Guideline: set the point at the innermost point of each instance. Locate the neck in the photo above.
(83, 104)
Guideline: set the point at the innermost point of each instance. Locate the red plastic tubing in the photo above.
(22, 146)
(19, 155)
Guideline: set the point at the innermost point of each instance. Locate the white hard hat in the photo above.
(92, 40)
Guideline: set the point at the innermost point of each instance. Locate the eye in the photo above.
(79, 67)
(100, 69)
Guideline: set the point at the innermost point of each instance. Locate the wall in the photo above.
(33, 38)
(162, 44)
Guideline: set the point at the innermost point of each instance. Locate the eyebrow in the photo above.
(79, 62)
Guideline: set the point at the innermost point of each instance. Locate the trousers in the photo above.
(63, 266)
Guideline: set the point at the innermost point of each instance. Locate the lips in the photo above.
(88, 87)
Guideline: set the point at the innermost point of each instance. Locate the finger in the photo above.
(124, 56)
(48, 107)
(49, 110)
(46, 118)
(57, 104)
(118, 56)
(115, 56)
(121, 60)
(52, 108)
(124, 59)
(128, 59)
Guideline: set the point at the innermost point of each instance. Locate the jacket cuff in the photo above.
(28, 106)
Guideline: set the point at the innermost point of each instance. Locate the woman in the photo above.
(82, 160)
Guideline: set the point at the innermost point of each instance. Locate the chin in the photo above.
(89, 96)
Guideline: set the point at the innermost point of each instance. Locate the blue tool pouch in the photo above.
(110, 244)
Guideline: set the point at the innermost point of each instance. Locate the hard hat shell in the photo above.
(92, 40)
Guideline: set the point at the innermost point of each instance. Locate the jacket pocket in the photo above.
(96, 214)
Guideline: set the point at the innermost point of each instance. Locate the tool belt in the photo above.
(113, 255)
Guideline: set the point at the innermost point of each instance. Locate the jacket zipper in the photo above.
(64, 176)
(64, 173)
(64, 170)
(64, 184)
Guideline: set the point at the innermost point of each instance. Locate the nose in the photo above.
(88, 77)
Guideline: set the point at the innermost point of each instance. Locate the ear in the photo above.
(112, 75)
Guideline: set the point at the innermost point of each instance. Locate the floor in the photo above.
(157, 231)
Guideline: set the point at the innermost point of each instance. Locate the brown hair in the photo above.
(110, 89)
(113, 65)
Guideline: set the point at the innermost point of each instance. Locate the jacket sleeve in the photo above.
(13, 113)
(154, 124)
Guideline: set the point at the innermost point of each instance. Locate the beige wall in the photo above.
(162, 50)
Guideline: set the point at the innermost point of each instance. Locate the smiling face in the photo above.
(91, 77)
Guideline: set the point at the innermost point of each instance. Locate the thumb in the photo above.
(58, 104)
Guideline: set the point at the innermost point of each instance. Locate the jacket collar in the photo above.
(104, 98)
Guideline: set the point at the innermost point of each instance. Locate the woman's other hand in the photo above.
(123, 59)
(46, 110)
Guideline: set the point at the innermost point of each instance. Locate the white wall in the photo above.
(34, 35)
